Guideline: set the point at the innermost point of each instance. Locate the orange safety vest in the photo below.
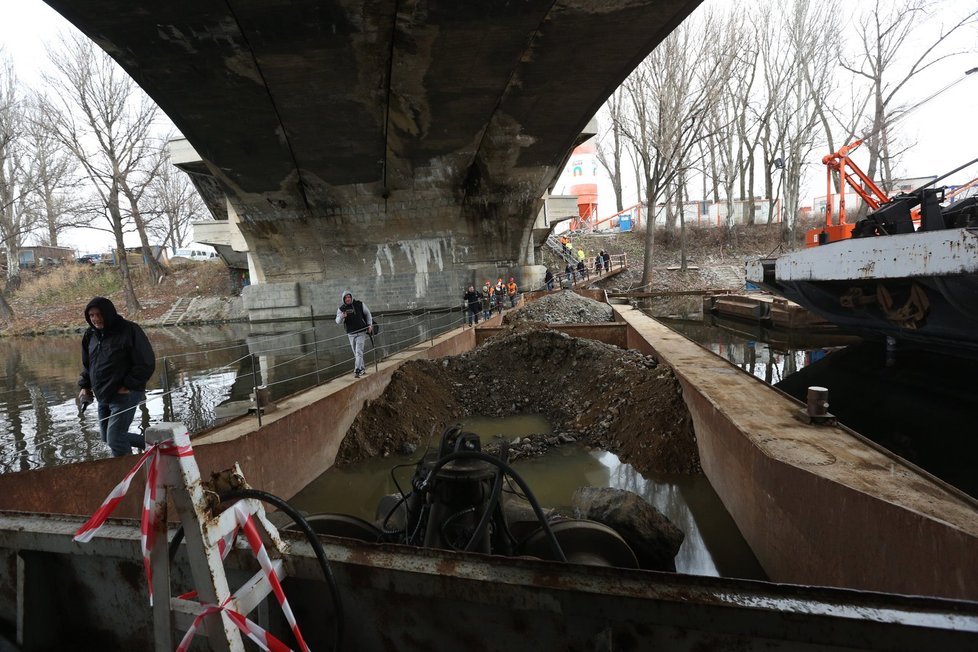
(512, 288)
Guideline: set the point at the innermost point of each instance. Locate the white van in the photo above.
(196, 253)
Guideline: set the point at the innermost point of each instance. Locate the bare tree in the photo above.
(175, 204)
(887, 62)
(727, 115)
(797, 67)
(55, 204)
(16, 180)
(104, 120)
(751, 107)
(610, 156)
(134, 187)
(668, 96)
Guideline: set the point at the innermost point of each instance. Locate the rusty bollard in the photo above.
(818, 401)
(817, 411)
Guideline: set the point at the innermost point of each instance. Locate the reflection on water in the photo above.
(518, 425)
(771, 354)
(917, 404)
(203, 367)
(358, 488)
(713, 545)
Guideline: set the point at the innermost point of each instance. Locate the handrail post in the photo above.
(315, 346)
(167, 400)
(254, 380)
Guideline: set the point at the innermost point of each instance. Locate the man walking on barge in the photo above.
(359, 323)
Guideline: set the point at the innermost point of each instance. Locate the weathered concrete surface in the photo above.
(817, 505)
(405, 145)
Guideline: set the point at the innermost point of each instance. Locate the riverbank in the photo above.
(51, 300)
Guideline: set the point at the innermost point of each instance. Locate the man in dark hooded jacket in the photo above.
(359, 323)
(117, 361)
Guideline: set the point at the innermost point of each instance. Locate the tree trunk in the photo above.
(6, 312)
(155, 269)
(51, 223)
(670, 223)
(750, 187)
(132, 303)
(649, 232)
(682, 225)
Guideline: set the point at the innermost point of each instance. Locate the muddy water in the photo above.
(713, 545)
(519, 425)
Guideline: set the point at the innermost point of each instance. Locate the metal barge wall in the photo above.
(817, 505)
(405, 599)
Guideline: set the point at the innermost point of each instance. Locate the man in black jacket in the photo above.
(473, 301)
(117, 361)
(359, 323)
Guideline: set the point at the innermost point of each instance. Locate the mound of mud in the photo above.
(606, 397)
(562, 308)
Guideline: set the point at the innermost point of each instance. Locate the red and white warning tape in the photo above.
(258, 547)
(180, 447)
(264, 639)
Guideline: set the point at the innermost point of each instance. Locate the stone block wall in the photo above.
(402, 255)
(274, 302)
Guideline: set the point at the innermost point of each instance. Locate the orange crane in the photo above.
(850, 174)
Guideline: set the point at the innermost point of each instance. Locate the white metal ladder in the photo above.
(179, 477)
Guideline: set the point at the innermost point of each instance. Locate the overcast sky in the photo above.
(944, 130)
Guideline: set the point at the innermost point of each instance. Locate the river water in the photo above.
(203, 371)
(203, 374)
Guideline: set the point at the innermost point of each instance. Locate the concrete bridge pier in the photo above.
(299, 268)
(414, 249)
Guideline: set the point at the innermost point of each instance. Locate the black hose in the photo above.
(497, 489)
(383, 524)
(313, 539)
(508, 470)
(175, 543)
(448, 521)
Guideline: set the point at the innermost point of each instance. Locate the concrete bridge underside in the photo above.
(398, 146)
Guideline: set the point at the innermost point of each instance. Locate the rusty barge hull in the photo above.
(400, 598)
(919, 287)
(819, 507)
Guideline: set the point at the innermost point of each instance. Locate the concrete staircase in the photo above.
(729, 276)
(177, 311)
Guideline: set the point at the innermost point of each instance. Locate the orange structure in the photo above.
(849, 174)
(583, 167)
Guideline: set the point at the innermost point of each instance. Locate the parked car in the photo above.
(89, 259)
(196, 254)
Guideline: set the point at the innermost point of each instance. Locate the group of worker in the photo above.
(490, 297)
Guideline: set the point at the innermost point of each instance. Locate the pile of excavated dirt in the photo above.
(595, 393)
(562, 307)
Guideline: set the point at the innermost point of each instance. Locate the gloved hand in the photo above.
(85, 398)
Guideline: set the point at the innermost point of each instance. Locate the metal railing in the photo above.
(400, 330)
